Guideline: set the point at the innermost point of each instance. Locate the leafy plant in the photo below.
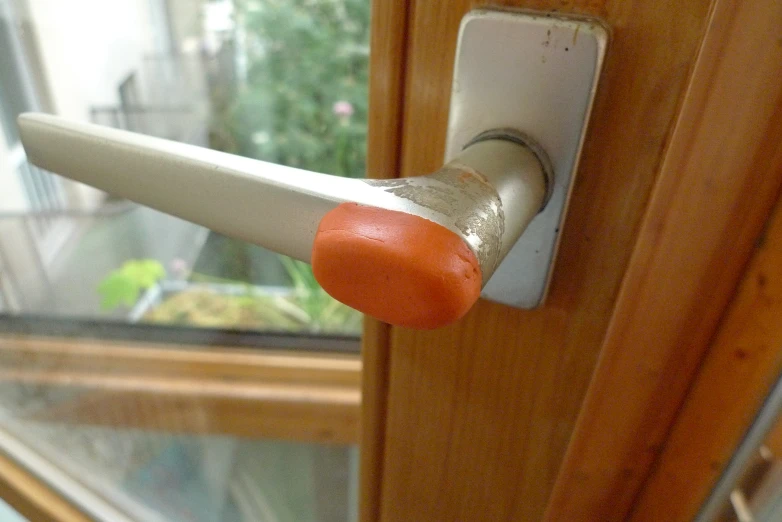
(307, 308)
(300, 100)
(324, 312)
(303, 100)
(123, 286)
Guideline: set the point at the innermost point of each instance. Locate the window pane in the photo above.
(14, 95)
(156, 476)
(121, 435)
(280, 81)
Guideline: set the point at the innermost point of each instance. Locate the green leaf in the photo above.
(143, 272)
(117, 290)
(123, 286)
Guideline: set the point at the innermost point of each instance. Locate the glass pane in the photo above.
(156, 432)
(280, 81)
(277, 80)
(15, 97)
(161, 476)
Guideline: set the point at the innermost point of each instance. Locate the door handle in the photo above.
(413, 252)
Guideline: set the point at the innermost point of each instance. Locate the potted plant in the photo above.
(145, 288)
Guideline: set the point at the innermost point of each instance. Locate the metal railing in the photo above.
(179, 123)
(175, 94)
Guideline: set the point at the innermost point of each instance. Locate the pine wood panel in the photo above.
(744, 359)
(774, 440)
(479, 414)
(742, 365)
(717, 185)
(387, 66)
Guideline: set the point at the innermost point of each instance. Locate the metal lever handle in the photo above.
(413, 252)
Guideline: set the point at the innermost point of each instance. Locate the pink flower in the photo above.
(178, 267)
(343, 109)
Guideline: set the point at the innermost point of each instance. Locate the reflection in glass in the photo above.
(278, 80)
(156, 476)
(281, 81)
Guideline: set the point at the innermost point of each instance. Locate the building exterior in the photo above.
(133, 64)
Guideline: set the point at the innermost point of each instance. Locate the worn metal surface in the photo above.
(487, 195)
(469, 201)
(464, 196)
(535, 73)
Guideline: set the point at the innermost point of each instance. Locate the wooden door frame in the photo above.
(739, 370)
(711, 198)
(387, 76)
(719, 181)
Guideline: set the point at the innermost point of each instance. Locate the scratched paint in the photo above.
(465, 199)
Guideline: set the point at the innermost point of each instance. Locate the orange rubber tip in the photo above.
(402, 269)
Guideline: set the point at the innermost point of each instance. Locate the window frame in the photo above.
(304, 397)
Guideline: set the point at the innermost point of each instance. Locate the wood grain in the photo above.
(479, 414)
(719, 180)
(375, 341)
(388, 59)
(774, 439)
(314, 399)
(744, 359)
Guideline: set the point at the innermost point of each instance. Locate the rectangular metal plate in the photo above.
(536, 73)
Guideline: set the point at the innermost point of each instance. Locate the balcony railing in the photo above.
(179, 123)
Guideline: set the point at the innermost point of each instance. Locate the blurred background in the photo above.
(283, 81)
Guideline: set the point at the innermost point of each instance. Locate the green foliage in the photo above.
(325, 313)
(301, 101)
(123, 286)
(308, 308)
(304, 100)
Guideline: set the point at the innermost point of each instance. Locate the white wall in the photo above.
(87, 48)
